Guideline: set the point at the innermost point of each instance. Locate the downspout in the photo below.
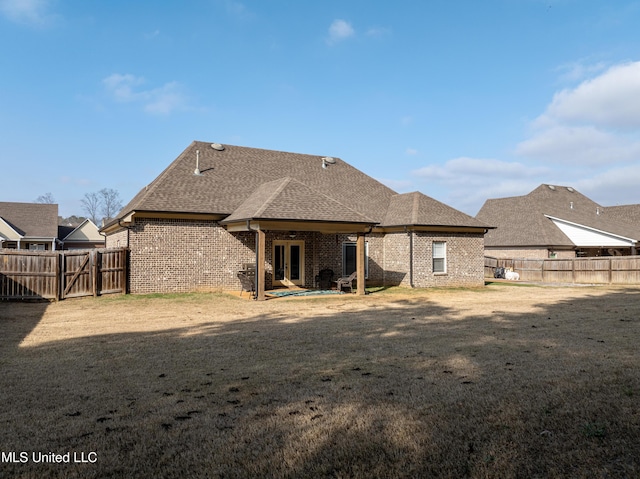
(411, 259)
(128, 228)
(255, 278)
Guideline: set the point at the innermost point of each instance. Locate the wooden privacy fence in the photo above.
(62, 274)
(608, 270)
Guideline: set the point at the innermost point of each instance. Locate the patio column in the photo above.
(360, 251)
(260, 273)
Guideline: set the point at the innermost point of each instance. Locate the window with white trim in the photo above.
(349, 259)
(439, 249)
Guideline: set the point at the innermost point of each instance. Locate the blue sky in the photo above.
(461, 100)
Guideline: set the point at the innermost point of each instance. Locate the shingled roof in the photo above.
(418, 209)
(31, 220)
(232, 175)
(288, 198)
(526, 220)
(241, 183)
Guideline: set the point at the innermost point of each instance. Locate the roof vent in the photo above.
(571, 204)
(569, 189)
(217, 146)
(328, 160)
(551, 187)
(196, 172)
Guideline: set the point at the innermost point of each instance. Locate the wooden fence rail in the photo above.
(62, 274)
(601, 270)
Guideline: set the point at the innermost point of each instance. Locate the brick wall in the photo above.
(184, 255)
(464, 260)
(172, 255)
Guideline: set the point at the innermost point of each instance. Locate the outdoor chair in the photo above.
(346, 281)
(324, 279)
(247, 277)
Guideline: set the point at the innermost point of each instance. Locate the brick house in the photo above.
(558, 222)
(217, 207)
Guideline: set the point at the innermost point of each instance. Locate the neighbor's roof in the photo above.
(524, 220)
(31, 220)
(625, 212)
(420, 210)
(243, 183)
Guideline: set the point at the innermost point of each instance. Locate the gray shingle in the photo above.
(521, 220)
(35, 220)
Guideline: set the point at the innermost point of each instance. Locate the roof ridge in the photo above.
(284, 181)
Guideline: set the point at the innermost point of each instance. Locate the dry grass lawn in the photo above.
(504, 381)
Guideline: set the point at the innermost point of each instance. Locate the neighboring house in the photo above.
(558, 222)
(32, 226)
(216, 208)
(85, 235)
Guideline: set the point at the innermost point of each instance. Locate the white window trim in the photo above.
(433, 257)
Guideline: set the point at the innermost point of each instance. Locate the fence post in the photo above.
(610, 271)
(58, 276)
(61, 275)
(94, 272)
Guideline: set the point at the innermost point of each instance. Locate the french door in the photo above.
(288, 263)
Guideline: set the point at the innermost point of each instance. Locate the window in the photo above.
(349, 258)
(439, 257)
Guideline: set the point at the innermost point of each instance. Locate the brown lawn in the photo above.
(505, 381)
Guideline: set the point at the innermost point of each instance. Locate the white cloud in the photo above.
(161, 101)
(477, 170)
(618, 185)
(596, 123)
(470, 181)
(610, 100)
(378, 32)
(579, 70)
(586, 145)
(411, 151)
(27, 12)
(339, 30)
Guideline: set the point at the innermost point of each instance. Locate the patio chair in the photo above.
(346, 281)
(247, 277)
(324, 279)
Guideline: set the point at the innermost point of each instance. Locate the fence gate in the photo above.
(78, 274)
(62, 274)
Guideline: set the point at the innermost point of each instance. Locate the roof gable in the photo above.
(585, 236)
(8, 232)
(289, 199)
(525, 220)
(86, 231)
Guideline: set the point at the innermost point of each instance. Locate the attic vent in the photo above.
(571, 204)
(217, 146)
(551, 187)
(328, 160)
(569, 189)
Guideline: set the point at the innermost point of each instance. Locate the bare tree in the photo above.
(46, 199)
(90, 205)
(110, 203)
